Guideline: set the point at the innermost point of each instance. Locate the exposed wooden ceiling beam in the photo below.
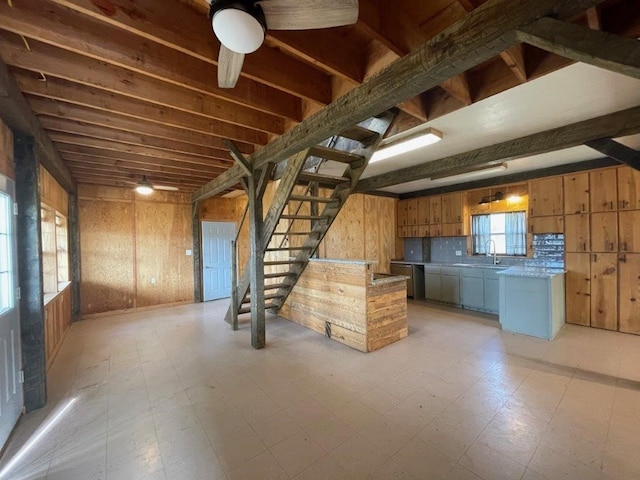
(83, 70)
(158, 21)
(85, 103)
(617, 151)
(113, 159)
(78, 129)
(128, 184)
(483, 33)
(159, 174)
(582, 44)
(18, 116)
(222, 159)
(107, 165)
(131, 180)
(626, 122)
(91, 151)
(63, 28)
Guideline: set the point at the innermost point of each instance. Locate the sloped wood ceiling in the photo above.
(128, 88)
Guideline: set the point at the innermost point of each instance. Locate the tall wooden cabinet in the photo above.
(604, 232)
(577, 237)
(628, 189)
(603, 192)
(629, 295)
(546, 205)
(578, 288)
(576, 193)
(629, 231)
(604, 290)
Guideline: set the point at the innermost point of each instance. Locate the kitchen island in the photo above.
(346, 301)
(532, 301)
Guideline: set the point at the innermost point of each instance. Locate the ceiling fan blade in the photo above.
(166, 188)
(309, 14)
(229, 67)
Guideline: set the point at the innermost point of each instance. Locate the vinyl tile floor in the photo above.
(174, 394)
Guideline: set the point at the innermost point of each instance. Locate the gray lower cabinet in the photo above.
(450, 285)
(432, 283)
(472, 288)
(491, 291)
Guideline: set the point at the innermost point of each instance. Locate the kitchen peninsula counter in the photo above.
(346, 301)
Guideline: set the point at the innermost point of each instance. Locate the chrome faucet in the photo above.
(495, 256)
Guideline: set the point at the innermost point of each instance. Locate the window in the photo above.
(6, 260)
(507, 230)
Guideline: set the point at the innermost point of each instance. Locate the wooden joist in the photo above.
(617, 151)
(483, 33)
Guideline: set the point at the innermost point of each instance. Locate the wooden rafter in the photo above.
(617, 151)
(582, 44)
(483, 33)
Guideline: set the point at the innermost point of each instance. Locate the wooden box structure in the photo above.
(346, 301)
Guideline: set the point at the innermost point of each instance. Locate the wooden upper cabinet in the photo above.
(545, 197)
(629, 231)
(453, 206)
(604, 232)
(412, 212)
(603, 190)
(577, 233)
(604, 290)
(628, 188)
(403, 216)
(423, 211)
(629, 294)
(548, 224)
(576, 193)
(435, 210)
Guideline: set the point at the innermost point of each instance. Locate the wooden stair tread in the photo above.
(268, 296)
(303, 217)
(305, 198)
(335, 155)
(285, 249)
(327, 180)
(359, 134)
(297, 233)
(282, 262)
(247, 309)
(278, 274)
(278, 286)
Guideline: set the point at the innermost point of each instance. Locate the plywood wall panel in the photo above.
(218, 209)
(108, 255)
(105, 193)
(345, 238)
(6, 151)
(163, 234)
(380, 232)
(52, 194)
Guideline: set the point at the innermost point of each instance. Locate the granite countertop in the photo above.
(465, 265)
(384, 278)
(532, 272)
(344, 261)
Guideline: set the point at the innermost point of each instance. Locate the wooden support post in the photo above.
(256, 262)
(30, 274)
(74, 256)
(234, 285)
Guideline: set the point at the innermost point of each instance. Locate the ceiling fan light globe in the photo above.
(238, 30)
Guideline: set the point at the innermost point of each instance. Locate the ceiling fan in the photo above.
(240, 25)
(145, 187)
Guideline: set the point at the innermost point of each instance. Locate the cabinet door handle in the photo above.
(610, 205)
(624, 246)
(583, 209)
(611, 246)
(595, 257)
(584, 246)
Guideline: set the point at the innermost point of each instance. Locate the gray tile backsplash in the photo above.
(548, 251)
(417, 250)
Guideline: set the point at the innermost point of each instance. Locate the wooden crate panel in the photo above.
(51, 193)
(107, 246)
(380, 238)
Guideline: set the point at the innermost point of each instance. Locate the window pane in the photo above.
(6, 298)
(5, 223)
(501, 243)
(4, 256)
(507, 230)
(497, 223)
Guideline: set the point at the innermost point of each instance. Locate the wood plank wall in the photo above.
(52, 194)
(364, 229)
(128, 239)
(6, 151)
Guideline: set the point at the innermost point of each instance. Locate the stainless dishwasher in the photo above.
(415, 283)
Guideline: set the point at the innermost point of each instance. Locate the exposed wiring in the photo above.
(26, 43)
(43, 77)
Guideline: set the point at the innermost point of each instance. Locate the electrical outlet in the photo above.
(458, 253)
(189, 253)
(410, 252)
(153, 280)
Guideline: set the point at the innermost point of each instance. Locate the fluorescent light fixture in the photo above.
(144, 187)
(470, 172)
(407, 144)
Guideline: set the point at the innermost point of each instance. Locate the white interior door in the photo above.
(11, 397)
(216, 259)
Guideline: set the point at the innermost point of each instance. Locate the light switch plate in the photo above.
(189, 253)
(458, 253)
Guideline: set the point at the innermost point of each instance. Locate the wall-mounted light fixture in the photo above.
(407, 144)
(496, 197)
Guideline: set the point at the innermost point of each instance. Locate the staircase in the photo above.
(304, 206)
